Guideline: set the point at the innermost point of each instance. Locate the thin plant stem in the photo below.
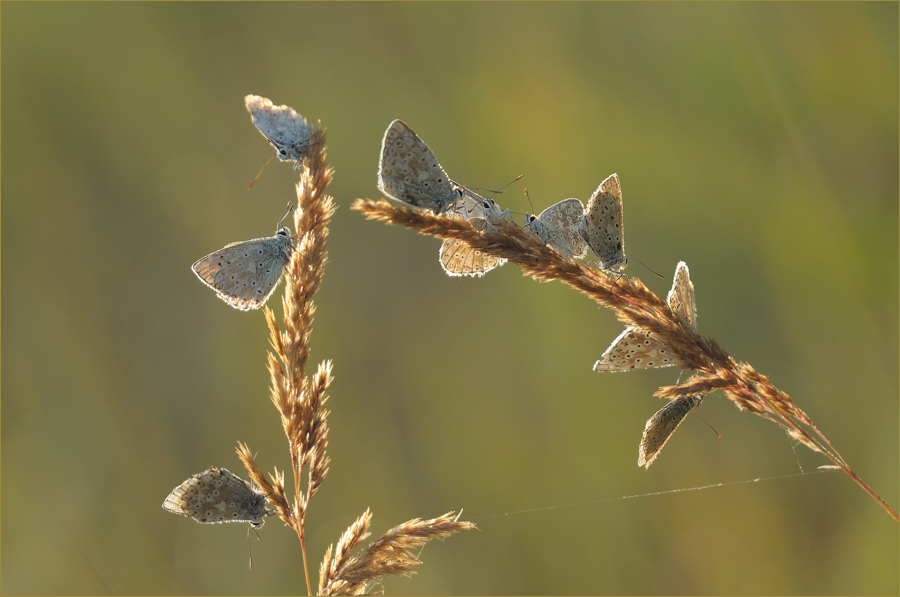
(300, 399)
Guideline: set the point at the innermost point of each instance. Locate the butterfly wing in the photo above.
(604, 228)
(681, 297)
(560, 226)
(458, 258)
(635, 349)
(662, 425)
(409, 171)
(245, 274)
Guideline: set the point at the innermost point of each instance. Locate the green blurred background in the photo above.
(757, 142)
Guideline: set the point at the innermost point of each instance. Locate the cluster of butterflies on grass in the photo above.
(409, 172)
(244, 275)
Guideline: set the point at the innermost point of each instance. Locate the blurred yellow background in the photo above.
(757, 142)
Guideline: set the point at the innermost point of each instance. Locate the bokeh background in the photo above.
(757, 142)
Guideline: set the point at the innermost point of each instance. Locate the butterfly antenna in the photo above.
(530, 204)
(707, 422)
(649, 270)
(260, 172)
(532, 213)
(287, 210)
(500, 190)
(516, 179)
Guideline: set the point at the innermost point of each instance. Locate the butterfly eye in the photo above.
(282, 152)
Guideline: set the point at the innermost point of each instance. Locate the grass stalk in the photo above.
(300, 400)
(634, 305)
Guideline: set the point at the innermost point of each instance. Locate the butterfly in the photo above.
(409, 172)
(560, 226)
(217, 495)
(287, 131)
(662, 425)
(457, 257)
(636, 348)
(604, 228)
(244, 274)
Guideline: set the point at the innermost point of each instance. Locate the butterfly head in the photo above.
(455, 194)
(621, 265)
